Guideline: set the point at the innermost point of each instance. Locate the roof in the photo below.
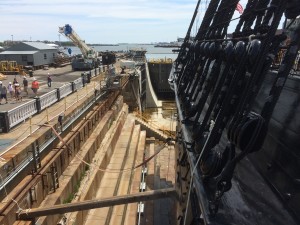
(18, 52)
(53, 45)
(39, 45)
(31, 46)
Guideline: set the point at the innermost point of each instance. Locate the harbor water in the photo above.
(163, 118)
(152, 52)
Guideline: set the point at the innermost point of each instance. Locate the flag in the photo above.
(239, 8)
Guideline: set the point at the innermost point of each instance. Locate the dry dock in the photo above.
(99, 150)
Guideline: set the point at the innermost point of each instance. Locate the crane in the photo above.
(90, 57)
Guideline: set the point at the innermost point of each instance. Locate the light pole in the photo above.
(59, 40)
(12, 38)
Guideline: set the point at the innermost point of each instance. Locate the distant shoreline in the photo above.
(103, 44)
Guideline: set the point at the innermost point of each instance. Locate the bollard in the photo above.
(88, 77)
(38, 104)
(4, 122)
(58, 93)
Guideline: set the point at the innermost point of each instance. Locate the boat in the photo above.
(238, 134)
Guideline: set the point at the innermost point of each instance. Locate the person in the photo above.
(18, 92)
(25, 84)
(35, 86)
(49, 79)
(11, 90)
(3, 93)
(14, 83)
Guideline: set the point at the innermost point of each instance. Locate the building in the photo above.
(34, 54)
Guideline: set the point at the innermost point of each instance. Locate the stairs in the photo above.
(110, 182)
(151, 131)
(131, 148)
(162, 169)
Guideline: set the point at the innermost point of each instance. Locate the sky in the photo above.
(99, 21)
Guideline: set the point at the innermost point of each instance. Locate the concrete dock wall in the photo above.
(57, 159)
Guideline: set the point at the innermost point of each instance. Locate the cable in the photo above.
(108, 170)
(190, 189)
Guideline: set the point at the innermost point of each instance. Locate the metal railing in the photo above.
(65, 90)
(78, 84)
(48, 99)
(51, 137)
(20, 113)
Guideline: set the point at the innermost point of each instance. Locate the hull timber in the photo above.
(238, 118)
(279, 159)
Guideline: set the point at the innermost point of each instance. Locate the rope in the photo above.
(121, 170)
(107, 169)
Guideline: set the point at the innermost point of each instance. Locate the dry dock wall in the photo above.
(101, 142)
(29, 194)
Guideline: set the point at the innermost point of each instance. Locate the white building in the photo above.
(34, 54)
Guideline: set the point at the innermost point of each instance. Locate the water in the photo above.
(164, 118)
(152, 52)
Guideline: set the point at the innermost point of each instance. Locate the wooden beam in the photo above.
(28, 214)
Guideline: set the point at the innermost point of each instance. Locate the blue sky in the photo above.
(98, 21)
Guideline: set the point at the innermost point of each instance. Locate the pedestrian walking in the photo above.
(25, 85)
(35, 86)
(49, 79)
(18, 92)
(15, 81)
(3, 93)
(14, 84)
(11, 90)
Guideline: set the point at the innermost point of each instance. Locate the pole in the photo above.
(28, 214)
(47, 115)
(30, 125)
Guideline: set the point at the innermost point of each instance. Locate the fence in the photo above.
(17, 115)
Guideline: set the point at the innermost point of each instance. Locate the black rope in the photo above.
(282, 75)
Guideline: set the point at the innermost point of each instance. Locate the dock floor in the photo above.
(60, 76)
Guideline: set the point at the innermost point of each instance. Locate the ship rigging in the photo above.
(238, 160)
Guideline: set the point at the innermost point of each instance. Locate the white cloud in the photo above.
(41, 19)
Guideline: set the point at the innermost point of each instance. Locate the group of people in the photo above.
(14, 89)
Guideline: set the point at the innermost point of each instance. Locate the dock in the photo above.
(84, 144)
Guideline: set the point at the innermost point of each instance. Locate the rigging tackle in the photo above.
(217, 81)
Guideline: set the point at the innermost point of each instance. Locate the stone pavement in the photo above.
(59, 76)
(22, 131)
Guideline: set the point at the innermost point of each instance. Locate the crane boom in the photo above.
(89, 58)
(86, 51)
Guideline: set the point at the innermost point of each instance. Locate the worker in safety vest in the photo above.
(35, 86)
